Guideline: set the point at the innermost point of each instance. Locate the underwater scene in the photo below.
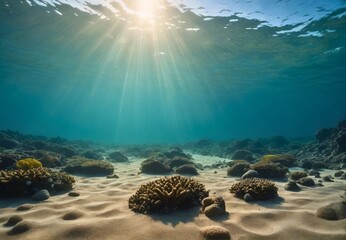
(173, 119)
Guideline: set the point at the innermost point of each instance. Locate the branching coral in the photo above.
(28, 163)
(16, 183)
(258, 188)
(167, 194)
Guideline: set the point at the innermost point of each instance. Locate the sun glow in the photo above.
(147, 11)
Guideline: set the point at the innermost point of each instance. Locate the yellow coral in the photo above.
(28, 163)
(284, 159)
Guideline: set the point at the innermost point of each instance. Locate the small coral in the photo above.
(28, 163)
(167, 194)
(269, 170)
(16, 183)
(259, 189)
(284, 159)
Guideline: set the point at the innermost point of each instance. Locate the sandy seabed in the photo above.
(101, 211)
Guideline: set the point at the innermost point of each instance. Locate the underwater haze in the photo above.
(153, 71)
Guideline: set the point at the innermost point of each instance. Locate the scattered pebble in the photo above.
(74, 194)
(112, 176)
(41, 195)
(215, 233)
(13, 221)
(292, 186)
(338, 173)
(19, 228)
(327, 179)
(248, 198)
(24, 208)
(72, 215)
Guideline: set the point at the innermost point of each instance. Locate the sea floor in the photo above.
(101, 211)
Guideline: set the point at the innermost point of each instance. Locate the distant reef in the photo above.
(327, 150)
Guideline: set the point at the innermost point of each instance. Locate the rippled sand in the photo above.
(101, 212)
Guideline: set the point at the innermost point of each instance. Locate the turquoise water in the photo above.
(128, 72)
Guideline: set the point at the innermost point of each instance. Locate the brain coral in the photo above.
(28, 163)
(16, 183)
(167, 194)
(258, 188)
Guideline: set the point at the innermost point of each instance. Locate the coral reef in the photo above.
(329, 149)
(258, 188)
(16, 183)
(167, 194)
(28, 163)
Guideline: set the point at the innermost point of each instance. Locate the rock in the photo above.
(24, 208)
(306, 181)
(187, 169)
(64, 150)
(343, 176)
(242, 154)
(250, 174)
(333, 211)
(74, 194)
(213, 206)
(338, 173)
(238, 169)
(112, 176)
(292, 186)
(20, 228)
(179, 161)
(89, 167)
(278, 142)
(8, 161)
(8, 143)
(176, 153)
(41, 195)
(92, 154)
(215, 233)
(118, 157)
(13, 221)
(341, 141)
(327, 179)
(248, 198)
(312, 172)
(152, 166)
(324, 133)
(73, 215)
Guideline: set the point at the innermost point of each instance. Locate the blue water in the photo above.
(171, 71)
